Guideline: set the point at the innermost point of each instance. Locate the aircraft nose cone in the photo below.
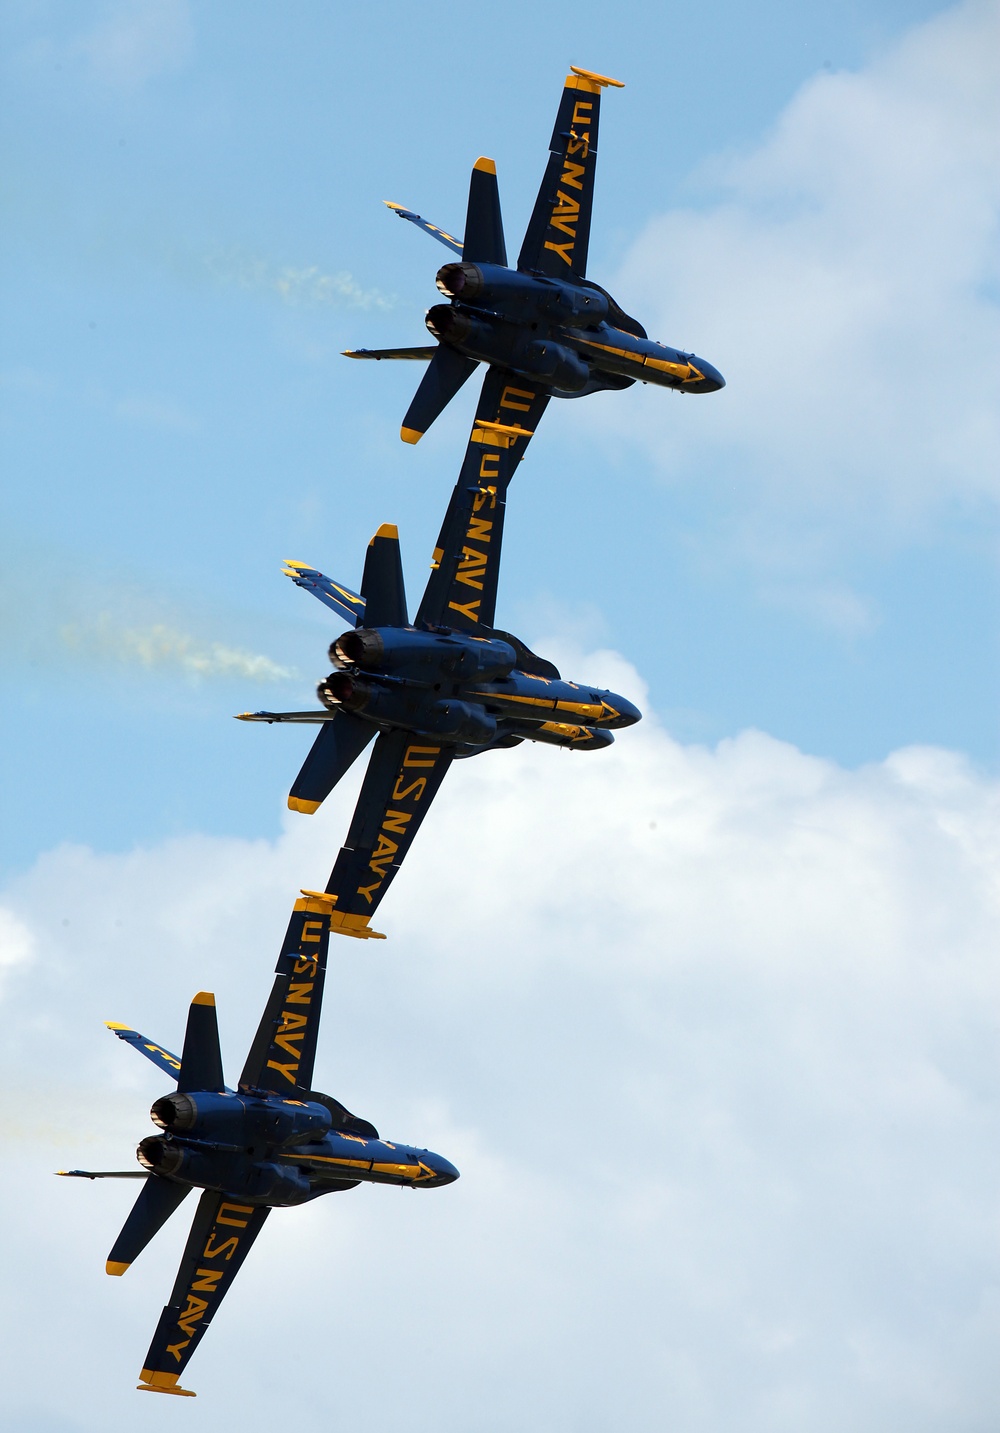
(444, 1171)
(711, 380)
(628, 715)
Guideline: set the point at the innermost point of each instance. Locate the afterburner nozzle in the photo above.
(459, 280)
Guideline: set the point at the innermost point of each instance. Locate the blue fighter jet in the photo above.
(271, 1142)
(446, 686)
(543, 327)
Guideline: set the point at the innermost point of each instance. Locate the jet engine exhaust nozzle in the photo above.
(459, 280)
(362, 647)
(159, 1157)
(341, 690)
(448, 324)
(174, 1112)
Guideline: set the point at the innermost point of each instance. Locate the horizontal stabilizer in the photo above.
(158, 1198)
(484, 242)
(382, 580)
(161, 1058)
(448, 370)
(316, 718)
(416, 354)
(338, 745)
(342, 600)
(442, 236)
(102, 1173)
(201, 1058)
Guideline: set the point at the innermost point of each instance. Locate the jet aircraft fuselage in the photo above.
(571, 336)
(466, 689)
(272, 1142)
(266, 1149)
(541, 322)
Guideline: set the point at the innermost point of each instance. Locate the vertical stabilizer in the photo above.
(484, 242)
(201, 1058)
(382, 584)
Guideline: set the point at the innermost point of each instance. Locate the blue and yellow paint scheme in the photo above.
(270, 1143)
(544, 324)
(446, 686)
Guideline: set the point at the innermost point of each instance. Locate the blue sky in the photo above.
(739, 971)
(193, 232)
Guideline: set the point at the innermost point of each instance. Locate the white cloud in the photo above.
(17, 944)
(845, 280)
(710, 1033)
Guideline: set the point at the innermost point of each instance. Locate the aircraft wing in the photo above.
(103, 1173)
(442, 236)
(558, 233)
(417, 355)
(284, 1049)
(402, 779)
(345, 603)
(462, 589)
(221, 1235)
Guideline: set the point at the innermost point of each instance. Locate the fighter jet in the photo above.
(445, 686)
(271, 1142)
(544, 326)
